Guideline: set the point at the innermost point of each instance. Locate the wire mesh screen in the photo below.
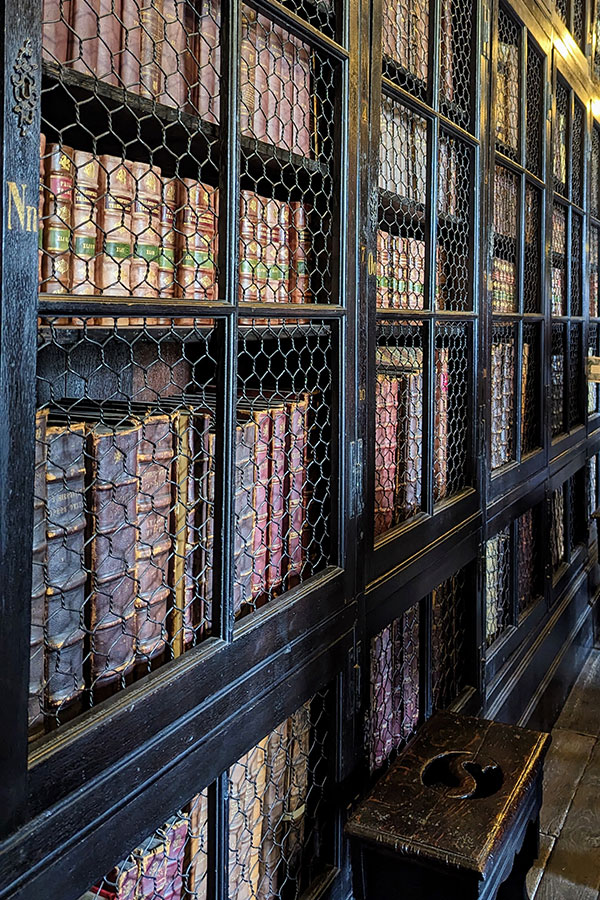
(452, 470)
(508, 79)
(530, 387)
(557, 379)
(449, 663)
(576, 264)
(534, 113)
(502, 378)
(560, 138)
(124, 505)
(579, 21)
(562, 10)
(593, 386)
(323, 15)
(559, 267)
(288, 119)
(532, 273)
(398, 423)
(594, 283)
(455, 236)
(405, 44)
(498, 585)
(457, 22)
(283, 459)
(169, 865)
(278, 817)
(592, 482)
(401, 242)
(530, 559)
(505, 281)
(595, 172)
(394, 687)
(557, 528)
(577, 144)
(576, 497)
(576, 392)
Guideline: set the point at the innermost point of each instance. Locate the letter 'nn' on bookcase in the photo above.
(277, 821)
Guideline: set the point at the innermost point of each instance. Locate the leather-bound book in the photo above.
(41, 203)
(249, 99)
(196, 858)
(245, 514)
(526, 411)
(441, 424)
(416, 273)
(496, 405)
(386, 447)
(113, 546)
(207, 529)
(210, 54)
(278, 483)
(83, 265)
(96, 38)
(38, 581)
(175, 833)
(274, 805)
(56, 18)
(400, 272)
(58, 219)
(301, 87)
(140, 59)
(65, 566)
(205, 250)
(145, 225)
(441, 277)
(260, 535)
(187, 228)
(168, 238)
(272, 243)
(406, 681)
(279, 114)
(298, 785)
(266, 89)
(250, 253)
(296, 513)
(247, 779)
(300, 245)
(381, 718)
(115, 238)
(153, 554)
(173, 37)
(446, 51)
(410, 430)
(383, 269)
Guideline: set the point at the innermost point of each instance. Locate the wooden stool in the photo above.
(456, 816)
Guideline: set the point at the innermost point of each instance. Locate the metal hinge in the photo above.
(356, 479)
(353, 704)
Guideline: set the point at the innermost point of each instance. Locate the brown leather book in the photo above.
(113, 546)
(187, 228)
(56, 18)
(249, 99)
(96, 38)
(115, 238)
(173, 37)
(245, 513)
(154, 547)
(58, 219)
(260, 503)
(140, 59)
(447, 51)
(410, 431)
(38, 582)
(386, 445)
(285, 71)
(196, 856)
(275, 87)
(383, 269)
(406, 680)
(247, 780)
(296, 450)
(278, 485)
(301, 87)
(250, 253)
(145, 226)
(41, 202)
(197, 228)
(168, 237)
(209, 61)
(207, 527)
(265, 88)
(83, 264)
(274, 823)
(65, 567)
(300, 245)
(441, 425)
(298, 777)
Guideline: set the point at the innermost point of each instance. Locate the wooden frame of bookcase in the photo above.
(86, 794)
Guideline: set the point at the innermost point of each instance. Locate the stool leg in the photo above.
(515, 886)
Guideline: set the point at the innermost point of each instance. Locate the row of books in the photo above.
(559, 290)
(498, 575)
(124, 533)
(268, 792)
(557, 528)
(504, 285)
(502, 375)
(507, 96)
(400, 271)
(557, 387)
(405, 40)
(170, 51)
(117, 227)
(399, 433)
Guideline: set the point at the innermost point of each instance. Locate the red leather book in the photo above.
(58, 219)
(260, 537)
(289, 97)
(145, 226)
(83, 264)
(296, 450)
(386, 448)
(140, 58)
(245, 513)
(168, 237)
(248, 92)
(113, 546)
(211, 25)
(441, 427)
(38, 584)
(65, 571)
(409, 361)
(300, 245)
(277, 495)
(153, 554)
(56, 18)
(275, 87)
(301, 87)
(96, 38)
(115, 238)
(273, 241)
(250, 213)
(172, 34)
(265, 67)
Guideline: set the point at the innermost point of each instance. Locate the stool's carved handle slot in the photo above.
(460, 776)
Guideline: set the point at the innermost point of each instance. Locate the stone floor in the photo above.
(568, 867)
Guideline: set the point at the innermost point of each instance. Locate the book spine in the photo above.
(247, 782)
(196, 861)
(205, 246)
(299, 254)
(248, 93)
(174, 44)
(409, 673)
(96, 37)
(145, 227)
(441, 424)
(260, 537)
(153, 552)
(296, 452)
(115, 238)
(211, 28)
(151, 48)
(301, 143)
(279, 122)
(277, 493)
(58, 219)
(416, 273)
(113, 552)
(381, 701)
(84, 223)
(41, 204)
(249, 248)
(65, 570)
(386, 449)
(130, 47)
(265, 86)
(283, 254)
(446, 52)
(187, 228)
(298, 778)
(38, 580)
(56, 18)
(273, 241)
(383, 269)
(168, 239)
(207, 528)
(245, 514)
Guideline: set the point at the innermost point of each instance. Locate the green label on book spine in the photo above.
(58, 240)
(166, 258)
(117, 249)
(147, 252)
(84, 247)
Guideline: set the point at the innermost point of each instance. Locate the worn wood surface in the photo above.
(581, 712)
(566, 761)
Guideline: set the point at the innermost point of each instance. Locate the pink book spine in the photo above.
(173, 51)
(386, 402)
(288, 93)
(276, 502)
(56, 17)
(275, 87)
(296, 512)
(261, 504)
(110, 39)
(264, 73)
(301, 104)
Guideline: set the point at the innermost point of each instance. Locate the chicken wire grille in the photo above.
(592, 482)
(283, 459)
(454, 233)
(451, 440)
(402, 238)
(322, 14)
(532, 277)
(576, 392)
(560, 140)
(505, 282)
(169, 865)
(563, 10)
(498, 585)
(530, 387)
(530, 559)
(594, 283)
(595, 172)
(502, 377)
(534, 113)
(449, 665)
(576, 264)
(123, 538)
(577, 144)
(399, 423)
(557, 379)
(278, 819)
(405, 44)
(457, 23)
(508, 81)
(579, 21)
(593, 386)
(559, 261)
(394, 687)
(557, 528)
(576, 496)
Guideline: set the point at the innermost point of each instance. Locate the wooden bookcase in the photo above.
(373, 492)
